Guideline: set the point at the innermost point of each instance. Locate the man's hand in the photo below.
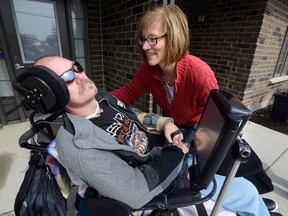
(182, 146)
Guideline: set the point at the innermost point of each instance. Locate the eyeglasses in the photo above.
(69, 75)
(152, 41)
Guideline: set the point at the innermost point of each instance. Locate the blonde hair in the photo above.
(175, 27)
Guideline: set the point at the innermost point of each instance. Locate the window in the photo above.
(78, 26)
(282, 63)
(37, 29)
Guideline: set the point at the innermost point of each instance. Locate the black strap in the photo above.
(175, 133)
(97, 205)
(91, 192)
(68, 124)
(201, 209)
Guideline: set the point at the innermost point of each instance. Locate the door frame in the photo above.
(6, 38)
(5, 49)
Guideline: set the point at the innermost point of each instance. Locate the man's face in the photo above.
(82, 90)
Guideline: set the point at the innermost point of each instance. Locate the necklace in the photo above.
(169, 90)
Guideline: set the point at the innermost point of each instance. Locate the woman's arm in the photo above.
(134, 89)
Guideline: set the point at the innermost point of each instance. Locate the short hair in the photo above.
(175, 26)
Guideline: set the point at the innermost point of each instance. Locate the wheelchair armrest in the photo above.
(24, 141)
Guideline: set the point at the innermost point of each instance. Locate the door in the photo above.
(31, 29)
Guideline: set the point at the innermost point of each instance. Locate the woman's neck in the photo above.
(169, 73)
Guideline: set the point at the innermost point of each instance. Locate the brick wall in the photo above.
(259, 92)
(95, 41)
(226, 39)
(239, 39)
(120, 55)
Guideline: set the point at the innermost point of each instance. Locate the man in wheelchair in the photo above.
(117, 152)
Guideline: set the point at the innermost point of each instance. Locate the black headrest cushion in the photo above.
(42, 89)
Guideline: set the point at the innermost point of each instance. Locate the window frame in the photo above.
(281, 68)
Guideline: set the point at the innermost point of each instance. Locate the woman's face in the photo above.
(155, 54)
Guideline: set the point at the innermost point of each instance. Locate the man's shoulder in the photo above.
(102, 93)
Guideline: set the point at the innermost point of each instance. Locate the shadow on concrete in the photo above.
(6, 160)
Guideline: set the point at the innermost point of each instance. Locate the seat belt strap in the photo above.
(201, 209)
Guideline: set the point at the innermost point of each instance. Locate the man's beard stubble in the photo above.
(84, 84)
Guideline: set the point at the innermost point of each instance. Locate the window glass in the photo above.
(5, 83)
(77, 16)
(37, 30)
(281, 68)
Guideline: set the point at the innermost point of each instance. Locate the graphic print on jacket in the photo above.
(121, 128)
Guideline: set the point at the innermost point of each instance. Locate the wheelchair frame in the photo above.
(161, 203)
(39, 93)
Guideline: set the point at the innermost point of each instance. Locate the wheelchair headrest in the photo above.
(42, 89)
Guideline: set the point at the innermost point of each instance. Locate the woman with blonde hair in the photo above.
(179, 82)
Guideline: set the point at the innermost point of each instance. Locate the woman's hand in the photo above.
(174, 136)
(171, 128)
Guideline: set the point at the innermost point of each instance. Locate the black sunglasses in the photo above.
(69, 75)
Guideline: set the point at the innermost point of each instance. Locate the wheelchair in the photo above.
(223, 114)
